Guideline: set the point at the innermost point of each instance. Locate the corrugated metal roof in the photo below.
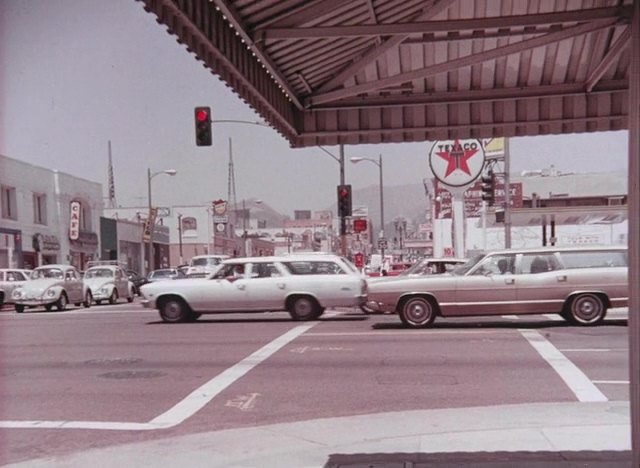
(370, 71)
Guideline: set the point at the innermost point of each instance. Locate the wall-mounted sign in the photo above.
(74, 220)
(189, 226)
(457, 163)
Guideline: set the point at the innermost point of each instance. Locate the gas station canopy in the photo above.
(326, 72)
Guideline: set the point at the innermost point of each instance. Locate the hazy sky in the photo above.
(77, 73)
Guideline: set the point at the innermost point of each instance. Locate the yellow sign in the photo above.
(493, 146)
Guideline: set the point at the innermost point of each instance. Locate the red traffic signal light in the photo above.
(203, 126)
(344, 200)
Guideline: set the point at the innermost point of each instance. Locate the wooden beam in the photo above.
(234, 18)
(458, 63)
(421, 27)
(430, 11)
(616, 49)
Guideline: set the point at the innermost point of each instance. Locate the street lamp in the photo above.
(379, 164)
(150, 176)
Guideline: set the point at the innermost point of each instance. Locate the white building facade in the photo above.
(47, 216)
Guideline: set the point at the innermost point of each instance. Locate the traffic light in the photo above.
(203, 126)
(488, 183)
(344, 200)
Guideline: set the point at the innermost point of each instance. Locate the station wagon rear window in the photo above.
(594, 259)
(313, 267)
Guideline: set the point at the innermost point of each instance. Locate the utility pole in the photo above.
(507, 196)
(180, 237)
(343, 221)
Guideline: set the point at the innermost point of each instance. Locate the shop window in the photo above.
(9, 205)
(39, 208)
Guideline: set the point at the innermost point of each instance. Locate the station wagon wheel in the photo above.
(174, 311)
(586, 309)
(418, 312)
(88, 299)
(19, 308)
(304, 308)
(114, 296)
(62, 302)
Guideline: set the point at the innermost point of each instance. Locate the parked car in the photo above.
(52, 285)
(11, 278)
(137, 280)
(393, 269)
(164, 274)
(108, 281)
(303, 285)
(579, 283)
(203, 265)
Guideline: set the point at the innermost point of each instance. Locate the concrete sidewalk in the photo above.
(530, 435)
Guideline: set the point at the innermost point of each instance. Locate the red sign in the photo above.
(359, 225)
(358, 259)
(473, 199)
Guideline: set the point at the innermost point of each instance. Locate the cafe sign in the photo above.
(74, 220)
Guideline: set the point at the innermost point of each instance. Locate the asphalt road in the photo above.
(86, 378)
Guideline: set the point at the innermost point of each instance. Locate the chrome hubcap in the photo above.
(417, 312)
(173, 310)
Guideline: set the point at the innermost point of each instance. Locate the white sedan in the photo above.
(303, 285)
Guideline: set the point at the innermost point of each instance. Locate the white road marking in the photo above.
(591, 350)
(554, 317)
(612, 382)
(184, 409)
(573, 377)
(410, 332)
(510, 317)
(243, 402)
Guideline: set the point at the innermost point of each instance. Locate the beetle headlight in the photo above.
(50, 293)
(17, 293)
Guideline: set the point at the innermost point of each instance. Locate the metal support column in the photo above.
(634, 233)
(343, 221)
(507, 195)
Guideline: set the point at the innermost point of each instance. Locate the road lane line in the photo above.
(613, 382)
(510, 317)
(410, 333)
(572, 376)
(554, 317)
(590, 350)
(197, 399)
(185, 408)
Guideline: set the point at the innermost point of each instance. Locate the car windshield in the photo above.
(98, 273)
(41, 273)
(162, 273)
(422, 267)
(465, 267)
(205, 261)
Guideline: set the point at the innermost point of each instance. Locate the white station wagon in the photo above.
(303, 285)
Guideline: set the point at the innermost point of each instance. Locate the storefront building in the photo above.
(47, 216)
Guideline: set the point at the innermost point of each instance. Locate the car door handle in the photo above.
(561, 278)
(281, 285)
(509, 281)
(240, 286)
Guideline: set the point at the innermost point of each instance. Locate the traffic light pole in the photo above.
(343, 221)
(507, 196)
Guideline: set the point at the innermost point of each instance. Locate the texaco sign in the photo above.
(457, 163)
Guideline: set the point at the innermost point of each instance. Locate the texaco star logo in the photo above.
(457, 162)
